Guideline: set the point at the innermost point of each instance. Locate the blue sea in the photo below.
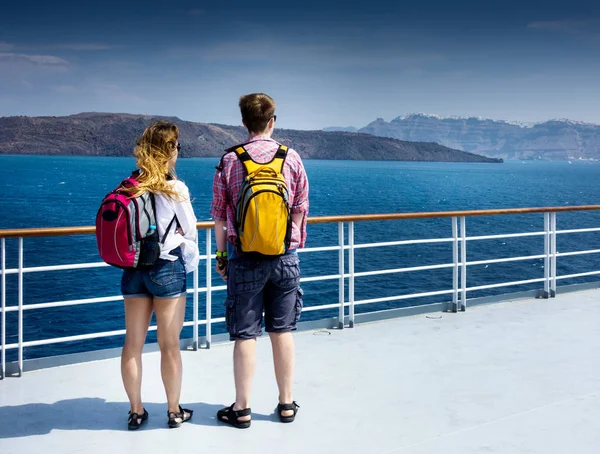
(44, 191)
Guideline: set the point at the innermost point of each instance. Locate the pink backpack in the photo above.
(126, 228)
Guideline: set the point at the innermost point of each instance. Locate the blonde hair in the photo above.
(153, 151)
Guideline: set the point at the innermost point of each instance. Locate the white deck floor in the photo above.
(514, 377)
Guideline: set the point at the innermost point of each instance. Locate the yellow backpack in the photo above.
(263, 220)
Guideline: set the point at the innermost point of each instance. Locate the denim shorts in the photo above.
(166, 279)
(255, 285)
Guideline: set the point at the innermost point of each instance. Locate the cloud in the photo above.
(110, 92)
(111, 95)
(83, 46)
(4, 46)
(574, 27)
(50, 61)
(311, 55)
(65, 89)
(25, 71)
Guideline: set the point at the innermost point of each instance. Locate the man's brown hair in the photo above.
(257, 109)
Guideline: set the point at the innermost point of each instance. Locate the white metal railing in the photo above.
(458, 290)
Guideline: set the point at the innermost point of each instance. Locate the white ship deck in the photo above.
(514, 377)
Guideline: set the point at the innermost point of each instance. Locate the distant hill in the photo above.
(108, 134)
(341, 128)
(550, 140)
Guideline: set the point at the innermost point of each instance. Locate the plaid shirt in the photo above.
(228, 181)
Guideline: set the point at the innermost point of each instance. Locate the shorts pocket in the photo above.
(290, 271)
(248, 275)
(126, 277)
(126, 281)
(230, 315)
(299, 303)
(163, 272)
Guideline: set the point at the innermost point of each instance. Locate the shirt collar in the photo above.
(256, 138)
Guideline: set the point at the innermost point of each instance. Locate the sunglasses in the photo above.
(178, 147)
(274, 117)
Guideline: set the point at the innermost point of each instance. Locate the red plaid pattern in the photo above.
(228, 181)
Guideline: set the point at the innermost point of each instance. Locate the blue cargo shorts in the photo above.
(166, 279)
(269, 284)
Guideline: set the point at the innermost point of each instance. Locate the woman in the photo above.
(161, 289)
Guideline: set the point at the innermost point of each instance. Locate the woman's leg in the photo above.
(170, 313)
(138, 312)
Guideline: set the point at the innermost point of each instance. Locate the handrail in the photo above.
(86, 230)
(459, 264)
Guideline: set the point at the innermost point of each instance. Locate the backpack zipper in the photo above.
(137, 219)
(122, 205)
(283, 190)
(245, 212)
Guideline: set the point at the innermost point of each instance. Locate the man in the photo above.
(257, 282)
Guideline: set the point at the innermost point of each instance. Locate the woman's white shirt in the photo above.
(166, 210)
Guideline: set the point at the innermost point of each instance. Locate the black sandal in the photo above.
(177, 419)
(232, 416)
(132, 421)
(285, 407)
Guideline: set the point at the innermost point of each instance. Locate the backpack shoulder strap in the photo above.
(227, 151)
(168, 229)
(279, 158)
(246, 159)
(220, 166)
(153, 203)
(276, 163)
(243, 144)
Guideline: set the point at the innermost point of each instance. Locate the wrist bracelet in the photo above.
(221, 254)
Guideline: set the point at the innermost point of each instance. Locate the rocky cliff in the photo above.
(100, 134)
(551, 140)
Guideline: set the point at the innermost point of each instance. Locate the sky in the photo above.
(325, 63)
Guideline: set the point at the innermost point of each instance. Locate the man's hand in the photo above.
(221, 268)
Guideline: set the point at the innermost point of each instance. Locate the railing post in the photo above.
(3, 290)
(553, 255)
(341, 271)
(463, 256)
(208, 288)
(195, 305)
(455, 261)
(351, 270)
(20, 306)
(547, 264)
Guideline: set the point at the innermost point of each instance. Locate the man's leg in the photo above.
(244, 308)
(244, 363)
(283, 303)
(283, 359)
